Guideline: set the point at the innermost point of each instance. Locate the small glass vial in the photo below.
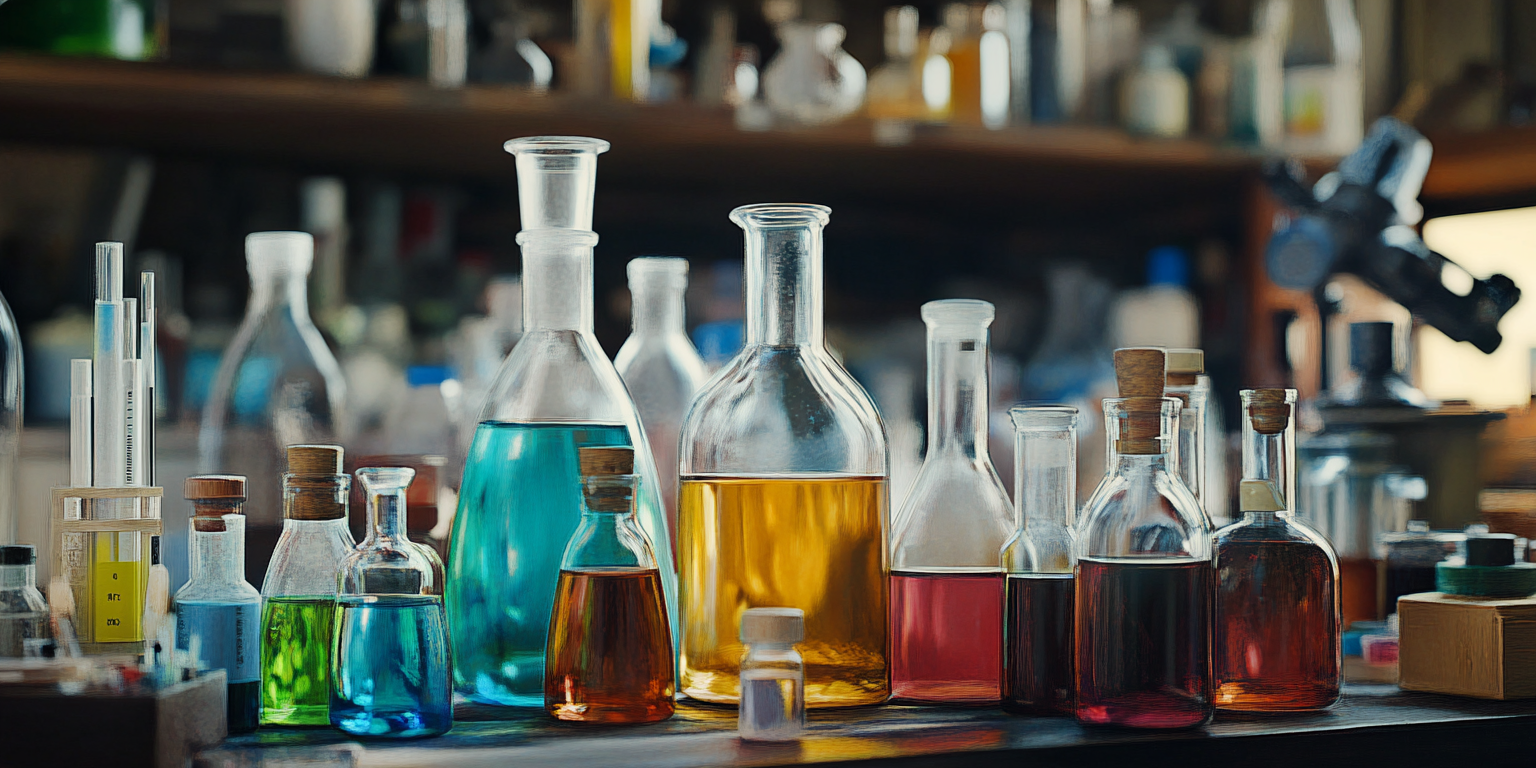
(23, 611)
(772, 675)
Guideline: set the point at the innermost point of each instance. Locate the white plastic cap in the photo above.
(772, 625)
(1185, 361)
(285, 251)
(658, 270)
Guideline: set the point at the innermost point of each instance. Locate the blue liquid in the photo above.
(227, 638)
(390, 667)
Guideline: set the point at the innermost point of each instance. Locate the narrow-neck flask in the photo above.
(23, 611)
(1143, 591)
(946, 583)
(520, 498)
(610, 654)
(1037, 618)
(660, 366)
(1277, 588)
(217, 612)
(389, 650)
(300, 588)
(1184, 369)
(783, 500)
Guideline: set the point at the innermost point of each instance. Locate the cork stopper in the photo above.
(607, 463)
(1185, 366)
(208, 524)
(607, 460)
(214, 488)
(314, 459)
(315, 486)
(1269, 410)
(1141, 374)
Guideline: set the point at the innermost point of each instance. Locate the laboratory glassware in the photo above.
(772, 675)
(1184, 369)
(783, 501)
(1277, 581)
(11, 377)
(389, 653)
(300, 588)
(1143, 595)
(896, 87)
(217, 612)
(610, 656)
(812, 80)
(520, 498)
(23, 611)
(946, 583)
(1038, 657)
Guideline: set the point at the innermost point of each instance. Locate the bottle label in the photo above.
(226, 635)
(117, 602)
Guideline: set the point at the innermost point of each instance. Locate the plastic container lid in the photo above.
(18, 554)
(427, 375)
(1168, 265)
(772, 625)
(274, 251)
(1186, 361)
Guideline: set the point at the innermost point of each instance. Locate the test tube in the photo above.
(148, 375)
(109, 463)
(79, 430)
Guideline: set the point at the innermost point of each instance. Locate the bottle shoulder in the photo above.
(305, 559)
(200, 591)
(1272, 531)
(957, 514)
(1146, 511)
(558, 375)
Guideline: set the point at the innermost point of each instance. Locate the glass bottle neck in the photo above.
(218, 557)
(557, 280)
(658, 308)
(1045, 465)
(387, 513)
(18, 576)
(957, 393)
(277, 288)
(1271, 458)
(783, 272)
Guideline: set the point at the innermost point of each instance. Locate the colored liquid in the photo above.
(1277, 626)
(1038, 658)
(1357, 590)
(226, 635)
(947, 637)
(610, 652)
(296, 660)
(390, 667)
(1143, 638)
(813, 543)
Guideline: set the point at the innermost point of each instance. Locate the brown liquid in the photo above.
(1039, 666)
(1357, 590)
(609, 658)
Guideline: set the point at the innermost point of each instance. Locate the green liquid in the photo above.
(296, 660)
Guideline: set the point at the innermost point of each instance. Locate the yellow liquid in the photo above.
(813, 543)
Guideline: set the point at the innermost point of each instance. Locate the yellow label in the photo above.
(117, 602)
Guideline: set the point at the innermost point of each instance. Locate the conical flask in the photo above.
(520, 498)
(783, 499)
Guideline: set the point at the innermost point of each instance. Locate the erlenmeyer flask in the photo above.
(556, 392)
(783, 501)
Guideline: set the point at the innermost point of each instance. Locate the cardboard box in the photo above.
(1467, 647)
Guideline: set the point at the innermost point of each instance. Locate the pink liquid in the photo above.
(947, 637)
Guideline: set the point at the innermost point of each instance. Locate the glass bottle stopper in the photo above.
(318, 485)
(607, 462)
(1140, 373)
(1269, 410)
(212, 497)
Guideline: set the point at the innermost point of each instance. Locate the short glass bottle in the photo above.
(946, 583)
(389, 652)
(1277, 588)
(24, 629)
(772, 675)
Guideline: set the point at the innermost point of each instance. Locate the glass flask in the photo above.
(660, 366)
(1277, 581)
(610, 654)
(1143, 594)
(389, 650)
(1184, 369)
(300, 588)
(772, 675)
(784, 499)
(812, 80)
(946, 583)
(23, 611)
(217, 612)
(520, 499)
(11, 377)
(1038, 668)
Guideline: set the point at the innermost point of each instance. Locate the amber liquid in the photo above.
(1357, 590)
(1038, 662)
(1277, 627)
(609, 658)
(813, 543)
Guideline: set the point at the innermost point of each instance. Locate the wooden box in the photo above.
(1466, 646)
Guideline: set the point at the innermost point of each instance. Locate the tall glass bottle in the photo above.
(1184, 369)
(1277, 588)
(946, 584)
(389, 651)
(23, 611)
(300, 588)
(784, 497)
(1143, 592)
(520, 498)
(1038, 657)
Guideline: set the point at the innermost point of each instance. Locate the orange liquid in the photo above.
(1277, 627)
(609, 658)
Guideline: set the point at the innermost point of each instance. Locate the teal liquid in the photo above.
(390, 668)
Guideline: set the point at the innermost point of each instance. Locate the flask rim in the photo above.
(775, 215)
(556, 145)
(968, 312)
(1043, 417)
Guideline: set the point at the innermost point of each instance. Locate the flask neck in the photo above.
(386, 515)
(657, 308)
(279, 288)
(1269, 446)
(557, 280)
(1045, 473)
(957, 391)
(218, 545)
(783, 274)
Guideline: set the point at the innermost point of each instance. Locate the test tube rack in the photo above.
(113, 624)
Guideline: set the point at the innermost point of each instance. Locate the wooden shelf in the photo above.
(1481, 171)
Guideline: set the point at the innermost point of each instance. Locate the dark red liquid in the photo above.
(1143, 642)
(1357, 590)
(947, 637)
(609, 658)
(1037, 646)
(1277, 627)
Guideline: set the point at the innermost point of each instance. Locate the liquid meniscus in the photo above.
(946, 637)
(390, 667)
(610, 651)
(296, 660)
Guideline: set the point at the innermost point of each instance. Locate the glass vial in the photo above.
(610, 654)
(772, 675)
(389, 648)
(783, 500)
(1277, 581)
(1143, 594)
(24, 629)
(217, 612)
(300, 588)
(1184, 369)
(946, 584)
(1038, 657)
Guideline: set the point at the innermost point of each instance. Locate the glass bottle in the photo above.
(520, 499)
(11, 378)
(23, 611)
(660, 366)
(784, 492)
(896, 87)
(946, 584)
(300, 588)
(217, 612)
(812, 80)
(772, 675)
(389, 652)
(1277, 581)
(1143, 592)
(1038, 661)
(610, 654)
(1184, 369)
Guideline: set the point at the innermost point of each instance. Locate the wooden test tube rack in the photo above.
(74, 555)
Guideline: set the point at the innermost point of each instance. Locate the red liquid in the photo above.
(609, 658)
(1277, 627)
(947, 637)
(1038, 662)
(1143, 642)
(1357, 590)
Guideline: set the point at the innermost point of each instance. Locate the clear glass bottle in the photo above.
(660, 366)
(11, 378)
(812, 80)
(1143, 593)
(784, 498)
(217, 612)
(896, 87)
(23, 611)
(610, 654)
(1277, 581)
(772, 675)
(300, 588)
(946, 583)
(520, 499)
(1038, 660)
(1184, 369)
(389, 653)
